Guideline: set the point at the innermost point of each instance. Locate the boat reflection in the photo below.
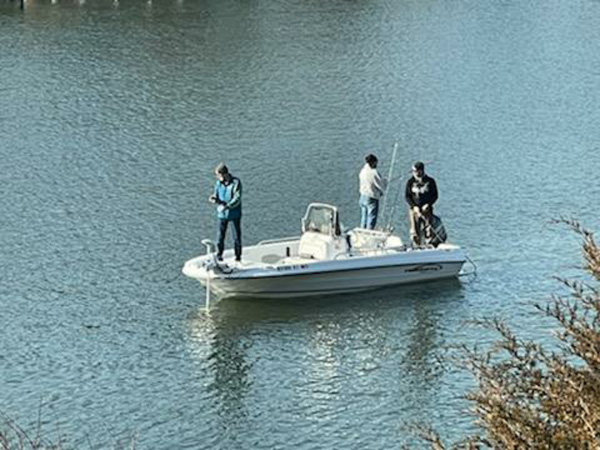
(264, 355)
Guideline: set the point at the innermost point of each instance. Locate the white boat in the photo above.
(323, 260)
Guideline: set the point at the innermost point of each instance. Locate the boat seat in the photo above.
(363, 239)
(315, 245)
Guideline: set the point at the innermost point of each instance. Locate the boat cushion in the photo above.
(319, 246)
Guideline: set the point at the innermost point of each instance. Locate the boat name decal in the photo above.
(424, 268)
(292, 267)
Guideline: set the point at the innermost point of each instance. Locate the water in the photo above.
(112, 116)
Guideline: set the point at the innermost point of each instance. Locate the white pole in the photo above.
(389, 179)
(207, 290)
(210, 248)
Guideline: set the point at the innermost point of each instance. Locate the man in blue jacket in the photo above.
(228, 198)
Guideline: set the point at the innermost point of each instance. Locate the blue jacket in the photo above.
(229, 199)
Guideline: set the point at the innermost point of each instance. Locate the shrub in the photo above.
(531, 398)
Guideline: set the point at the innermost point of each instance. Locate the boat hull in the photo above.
(334, 281)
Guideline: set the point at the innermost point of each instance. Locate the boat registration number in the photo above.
(292, 267)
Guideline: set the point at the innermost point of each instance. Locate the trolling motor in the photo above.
(210, 264)
(213, 265)
(210, 249)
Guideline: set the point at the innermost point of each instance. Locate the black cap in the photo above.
(419, 166)
(371, 159)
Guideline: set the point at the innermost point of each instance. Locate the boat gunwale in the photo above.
(274, 272)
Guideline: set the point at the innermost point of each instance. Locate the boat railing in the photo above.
(277, 241)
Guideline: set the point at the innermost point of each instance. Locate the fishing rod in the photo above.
(390, 173)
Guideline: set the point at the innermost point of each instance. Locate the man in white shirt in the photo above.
(372, 187)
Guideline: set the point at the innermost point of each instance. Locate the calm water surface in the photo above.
(112, 116)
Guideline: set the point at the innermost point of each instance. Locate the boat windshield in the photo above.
(321, 219)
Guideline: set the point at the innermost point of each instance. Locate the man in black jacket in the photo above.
(421, 193)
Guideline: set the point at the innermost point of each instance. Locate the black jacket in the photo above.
(419, 193)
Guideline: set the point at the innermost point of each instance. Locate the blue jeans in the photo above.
(237, 237)
(369, 207)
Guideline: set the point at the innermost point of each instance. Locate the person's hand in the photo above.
(416, 211)
(426, 207)
(212, 199)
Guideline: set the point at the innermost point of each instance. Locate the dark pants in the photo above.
(237, 237)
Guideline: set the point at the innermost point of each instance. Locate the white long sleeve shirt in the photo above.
(371, 183)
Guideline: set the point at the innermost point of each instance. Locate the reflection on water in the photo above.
(319, 357)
